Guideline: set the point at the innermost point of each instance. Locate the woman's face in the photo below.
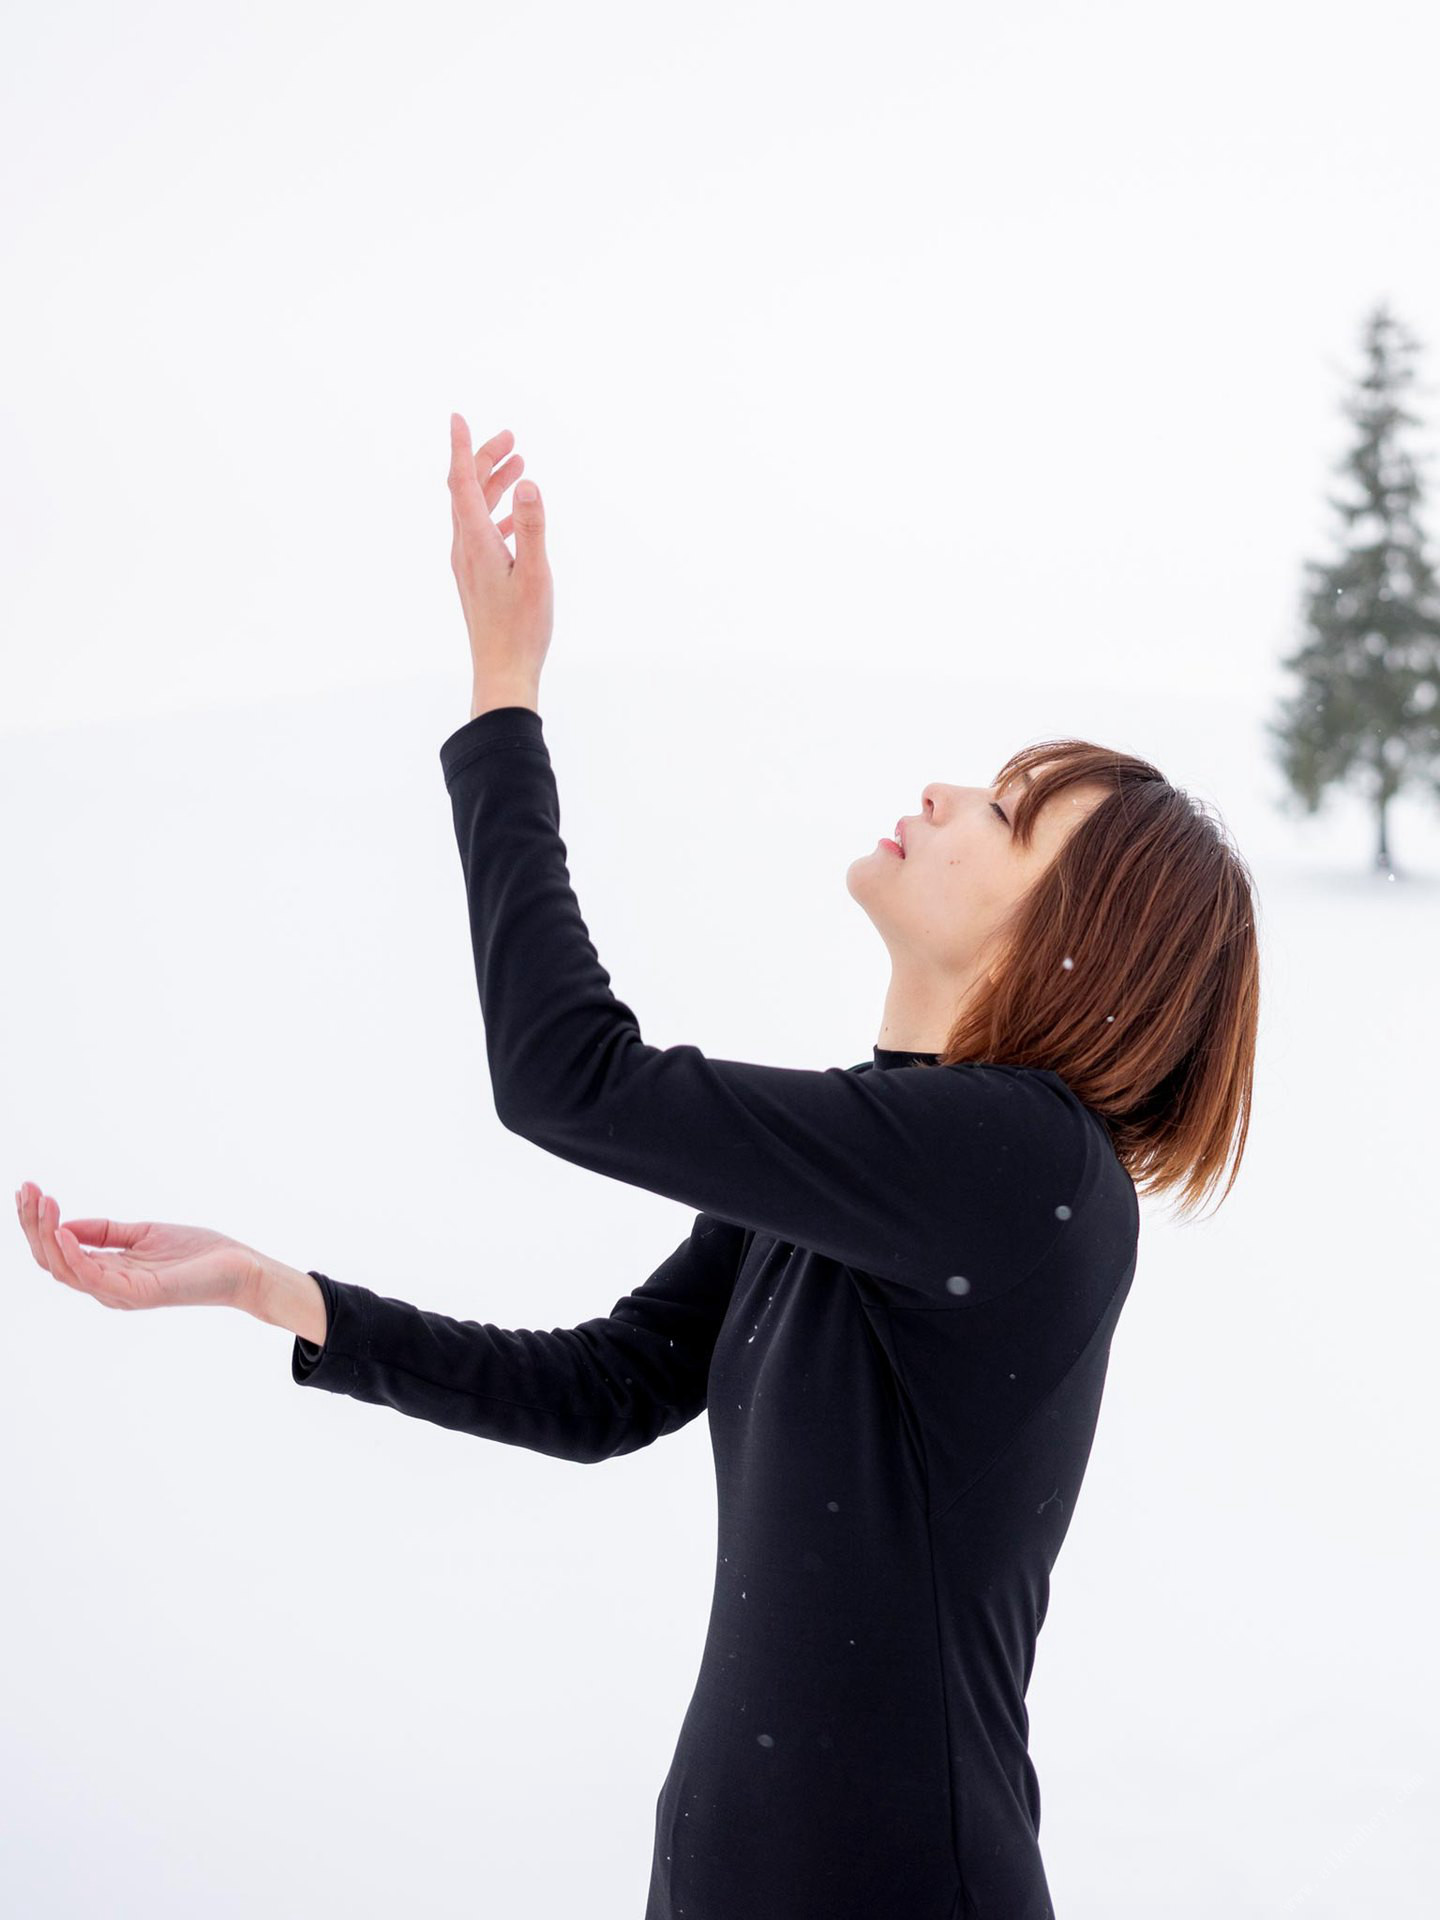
(962, 872)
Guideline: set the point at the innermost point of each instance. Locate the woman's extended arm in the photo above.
(586, 1393)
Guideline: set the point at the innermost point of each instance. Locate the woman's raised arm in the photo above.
(946, 1183)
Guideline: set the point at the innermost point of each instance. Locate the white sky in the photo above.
(947, 331)
(903, 387)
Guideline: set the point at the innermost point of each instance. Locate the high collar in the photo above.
(887, 1057)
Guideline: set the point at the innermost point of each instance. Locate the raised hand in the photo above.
(509, 605)
(147, 1263)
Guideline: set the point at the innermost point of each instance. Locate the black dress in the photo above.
(895, 1305)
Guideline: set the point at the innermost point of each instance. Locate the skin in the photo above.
(940, 909)
(509, 604)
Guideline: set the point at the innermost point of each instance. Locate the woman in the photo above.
(896, 1300)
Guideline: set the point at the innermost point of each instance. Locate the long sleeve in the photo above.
(947, 1184)
(585, 1393)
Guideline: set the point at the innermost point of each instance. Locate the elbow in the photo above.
(515, 1112)
(528, 1098)
(528, 1123)
(549, 1095)
(544, 1119)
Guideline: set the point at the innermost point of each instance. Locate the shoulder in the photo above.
(1110, 1206)
(1030, 1113)
(1053, 1173)
(1024, 1132)
(1036, 1091)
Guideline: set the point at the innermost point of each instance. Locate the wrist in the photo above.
(488, 694)
(283, 1296)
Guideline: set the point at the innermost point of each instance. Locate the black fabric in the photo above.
(895, 1304)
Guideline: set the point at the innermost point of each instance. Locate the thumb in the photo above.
(529, 518)
(106, 1233)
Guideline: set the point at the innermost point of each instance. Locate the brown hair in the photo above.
(1131, 969)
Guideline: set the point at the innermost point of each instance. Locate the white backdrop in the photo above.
(902, 389)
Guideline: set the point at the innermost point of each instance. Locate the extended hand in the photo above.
(509, 604)
(138, 1263)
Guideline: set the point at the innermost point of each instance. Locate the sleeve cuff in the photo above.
(498, 727)
(337, 1362)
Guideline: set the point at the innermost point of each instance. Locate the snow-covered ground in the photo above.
(272, 1651)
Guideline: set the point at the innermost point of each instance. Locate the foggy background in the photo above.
(902, 389)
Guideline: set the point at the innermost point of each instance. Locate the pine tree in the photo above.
(1367, 708)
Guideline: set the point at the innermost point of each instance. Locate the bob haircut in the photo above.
(1131, 969)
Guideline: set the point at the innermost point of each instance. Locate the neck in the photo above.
(919, 1012)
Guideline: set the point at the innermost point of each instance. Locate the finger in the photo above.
(462, 461)
(79, 1262)
(29, 1196)
(54, 1259)
(488, 457)
(493, 485)
(85, 1268)
(494, 449)
(106, 1233)
(479, 464)
(82, 1270)
(529, 522)
(469, 507)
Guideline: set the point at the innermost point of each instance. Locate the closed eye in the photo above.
(1000, 810)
